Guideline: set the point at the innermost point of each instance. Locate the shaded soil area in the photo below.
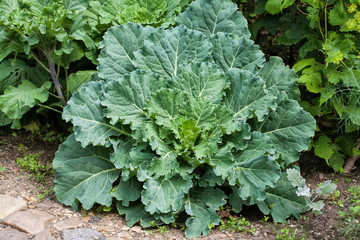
(14, 181)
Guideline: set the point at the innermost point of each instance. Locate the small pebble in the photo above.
(96, 219)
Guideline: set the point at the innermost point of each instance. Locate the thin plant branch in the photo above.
(351, 161)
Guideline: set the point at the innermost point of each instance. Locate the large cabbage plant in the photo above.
(185, 120)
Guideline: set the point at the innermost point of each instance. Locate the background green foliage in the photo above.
(49, 48)
(324, 36)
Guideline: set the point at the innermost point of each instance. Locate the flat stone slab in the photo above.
(82, 234)
(44, 235)
(12, 234)
(30, 221)
(9, 205)
(68, 224)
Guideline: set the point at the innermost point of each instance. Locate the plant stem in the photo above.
(41, 105)
(37, 59)
(54, 95)
(67, 85)
(351, 161)
(326, 19)
(56, 81)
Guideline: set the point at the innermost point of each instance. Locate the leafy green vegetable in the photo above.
(60, 35)
(181, 122)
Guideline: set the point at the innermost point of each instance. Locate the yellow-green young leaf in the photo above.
(336, 161)
(4, 120)
(300, 65)
(164, 107)
(312, 79)
(11, 73)
(356, 152)
(339, 14)
(324, 148)
(16, 101)
(8, 44)
(276, 6)
(75, 80)
(145, 12)
(326, 94)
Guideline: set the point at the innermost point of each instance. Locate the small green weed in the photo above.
(4, 142)
(163, 229)
(2, 169)
(351, 214)
(236, 224)
(31, 164)
(285, 233)
(44, 191)
(335, 198)
(84, 213)
(46, 134)
(102, 208)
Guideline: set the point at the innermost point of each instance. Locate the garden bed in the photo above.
(16, 182)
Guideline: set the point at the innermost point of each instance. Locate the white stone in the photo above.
(31, 221)
(9, 205)
(12, 234)
(68, 224)
(44, 235)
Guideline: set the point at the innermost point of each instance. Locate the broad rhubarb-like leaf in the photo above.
(283, 200)
(165, 51)
(210, 17)
(121, 42)
(74, 174)
(85, 111)
(282, 125)
(165, 195)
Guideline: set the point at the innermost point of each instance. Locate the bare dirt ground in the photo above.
(15, 182)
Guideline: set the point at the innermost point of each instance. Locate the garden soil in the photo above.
(15, 182)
